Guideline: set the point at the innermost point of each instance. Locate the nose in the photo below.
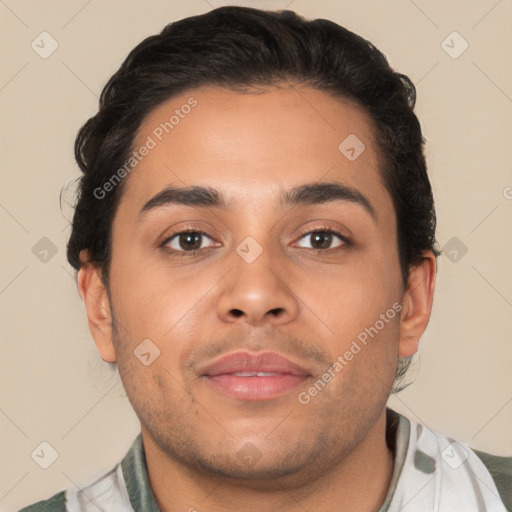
(257, 293)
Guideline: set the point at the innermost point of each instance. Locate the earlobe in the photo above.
(417, 304)
(95, 297)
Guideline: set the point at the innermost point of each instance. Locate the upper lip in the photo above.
(267, 362)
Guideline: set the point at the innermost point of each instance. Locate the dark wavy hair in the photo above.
(240, 48)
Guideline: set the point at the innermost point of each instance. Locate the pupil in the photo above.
(190, 241)
(322, 240)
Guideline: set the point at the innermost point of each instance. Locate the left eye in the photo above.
(322, 239)
(191, 241)
(187, 241)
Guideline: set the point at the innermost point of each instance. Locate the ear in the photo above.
(95, 297)
(417, 304)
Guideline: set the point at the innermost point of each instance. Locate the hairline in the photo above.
(258, 87)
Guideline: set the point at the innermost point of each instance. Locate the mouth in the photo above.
(254, 376)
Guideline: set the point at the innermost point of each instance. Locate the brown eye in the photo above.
(188, 241)
(322, 240)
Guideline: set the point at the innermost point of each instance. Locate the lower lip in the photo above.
(256, 388)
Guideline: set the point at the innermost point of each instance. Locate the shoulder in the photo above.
(105, 493)
(436, 470)
(56, 503)
(108, 491)
(500, 469)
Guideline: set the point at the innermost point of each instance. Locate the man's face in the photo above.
(266, 278)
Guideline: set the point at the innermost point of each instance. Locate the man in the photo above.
(255, 245)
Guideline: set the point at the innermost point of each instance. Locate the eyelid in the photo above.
(345, 241)
(344, 233)
(338, 232)
(188, 226)
(170, 237)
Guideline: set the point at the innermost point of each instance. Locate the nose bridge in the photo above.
(257, 290)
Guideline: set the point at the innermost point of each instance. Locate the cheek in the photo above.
(357, 317)
(165, 305)
(344, 300)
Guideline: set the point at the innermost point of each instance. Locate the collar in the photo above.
(135, 470)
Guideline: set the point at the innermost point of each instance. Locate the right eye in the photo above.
(187, 241)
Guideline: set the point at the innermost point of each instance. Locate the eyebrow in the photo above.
(320, 193)
(308, 194)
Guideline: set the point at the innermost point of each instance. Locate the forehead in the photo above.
(254, 144)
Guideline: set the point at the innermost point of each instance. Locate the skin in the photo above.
(252, 147)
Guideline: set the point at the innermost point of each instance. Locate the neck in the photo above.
(357, 483)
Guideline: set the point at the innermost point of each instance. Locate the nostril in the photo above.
(276, 311)
(237, 313)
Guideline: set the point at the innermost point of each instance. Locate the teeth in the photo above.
(255, 374)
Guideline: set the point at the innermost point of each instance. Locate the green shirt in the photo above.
(431, 472)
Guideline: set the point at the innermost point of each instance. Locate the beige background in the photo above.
(54, 387)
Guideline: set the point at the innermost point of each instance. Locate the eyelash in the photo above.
(346, 243)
